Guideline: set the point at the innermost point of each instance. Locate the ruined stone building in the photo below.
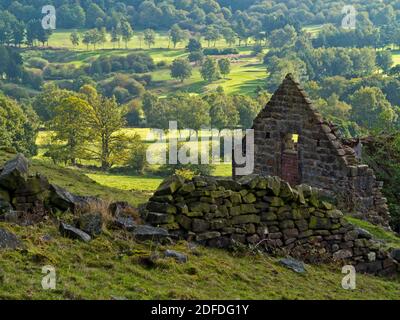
(292, 141)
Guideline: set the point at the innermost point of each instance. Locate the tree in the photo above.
(70, 126)
(126, 32)
(87, 39)
(177, 35)
(248, 109)
(106, 119)
(18, 127)
(194, 45)
(181, 69)
(371, 109)
(211, 34)
(74, 37)
(223, 111)
(229, 36)
(384, 60)
(224, 66)
(285, 37)
(149, 37)
(209, 70)
(115, 37)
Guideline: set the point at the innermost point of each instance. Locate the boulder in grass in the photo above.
(125, 222)
(63, 199)
(15, 173)
(170, 185)
(144, 232)
(180, 257)
(8, 240)
(293, 264)
(91, 223)
(74, 233)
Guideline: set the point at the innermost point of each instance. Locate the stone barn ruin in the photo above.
(292, 141)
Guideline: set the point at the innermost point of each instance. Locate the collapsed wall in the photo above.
(266, 212)
(29, 197)
(294, 142)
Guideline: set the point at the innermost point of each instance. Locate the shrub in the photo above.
(38, 63)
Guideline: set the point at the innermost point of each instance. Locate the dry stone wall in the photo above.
(266, 212)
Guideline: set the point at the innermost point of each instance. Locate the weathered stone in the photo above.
(124, 222)
(161, 207)
(199, 225)
(187, 188)
(8, 240)
(199, 207)
(250, 218)
(290, 233)
(249, 181)
(253, 239)
(63, 199)
(170, 185)
(319, 223)
(248, 208)
(235, 211)
(182, 208)
(295, 265)
(268, 216)
(74, 233)
(249, 198)
(395, 254)
(144, 232)
(207, 235)
(236, 198)
(122, 208)
(286, 224)
(274, 185)
(15, 173)
(180, 257)
(218, 224)
(302, 224)
(275, 201)
(184, 221)
(362, 233)
(91, 223)
(334, 214)
(342, 254)
(165, 198)
(159, 218)
(220, 242)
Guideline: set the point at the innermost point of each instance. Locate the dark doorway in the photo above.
(290, 159)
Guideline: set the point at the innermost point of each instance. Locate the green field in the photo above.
(123, 181)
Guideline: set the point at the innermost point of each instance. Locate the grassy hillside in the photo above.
(113, 264)
(77, 182)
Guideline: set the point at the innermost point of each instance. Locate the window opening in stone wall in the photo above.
(290, 159)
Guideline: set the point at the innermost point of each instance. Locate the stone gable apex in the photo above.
(290, 95)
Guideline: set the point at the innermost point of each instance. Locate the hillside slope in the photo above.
(115, 265)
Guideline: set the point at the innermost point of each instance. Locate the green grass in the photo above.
(124, 182)
(396, 57)
(389, 237)
(109, 266)
(78, 183)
